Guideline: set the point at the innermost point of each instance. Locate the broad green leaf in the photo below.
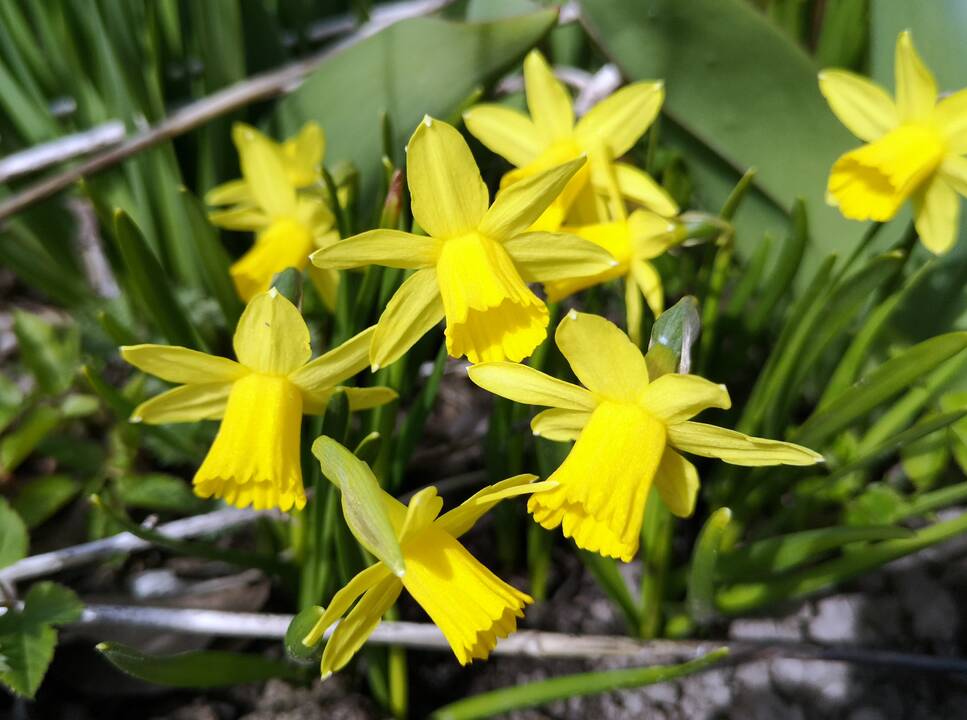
(13, 535)
(49, 603)
(702, 571)
(40, 498)
(17, 445)
(883, 383)
(159, 492)
(362, 501)
(199, 669)
(51, 359)
(152, 286)
(732, 79)
(27, 637)
(415, 67)
(533, 694)
(764, 558)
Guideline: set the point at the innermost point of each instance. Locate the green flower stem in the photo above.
(656, 543)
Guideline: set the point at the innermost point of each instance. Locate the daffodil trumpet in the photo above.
(474, 265)
(279, 199)
(471, 606)
(260, 400)
(915, 148)
(550, 136)
(628, 432)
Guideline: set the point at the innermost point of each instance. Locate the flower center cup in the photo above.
(872, 182)
(283, 244)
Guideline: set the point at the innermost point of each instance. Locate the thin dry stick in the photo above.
(57, 560)
(245, 92)
(526, 643)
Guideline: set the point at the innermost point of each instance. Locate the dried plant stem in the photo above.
(526, 643)
(57, 560)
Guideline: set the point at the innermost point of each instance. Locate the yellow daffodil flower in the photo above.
(260, 400)
(550, 137)
(915, 148)
(633, 240)
(289, 224)
(474, 266)
(471, 606)
(628, 432)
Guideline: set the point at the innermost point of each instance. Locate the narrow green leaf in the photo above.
(609, 578)
(198, 669)
(883, 383)
(702, 571)
(215, 261)
(561, 688)
(843, 37)
(764, 558)
(289, 284)
(11, 401)
(152, 286)
(362, 501)
(786, 269)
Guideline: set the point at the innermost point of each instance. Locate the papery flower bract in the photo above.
(471, 606)
(550, 137)
(474, 266)
(915, 148)
(260, 400)
(628, 432)
(289, 224)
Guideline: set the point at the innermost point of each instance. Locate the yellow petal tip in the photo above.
(135, 419)
(572, 314)
(428, 121)
(273, 292)
(325, 676)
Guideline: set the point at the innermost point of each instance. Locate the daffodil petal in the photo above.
(344, 598)
(677, 483)
(188, 403)
(736, 448)
(651, 234)
(264, 171)
(547, 98)
(618, 121)
(462, 518)
(633, 310)
(448, 195)
(637, 186)
(505, 131)
(649, 282)
(545, 257)
(518, 205)
(331, 368)
(247, 218)
(675, 398)
(863, 106)
(390, 248)
(360, 398)
(351, 633)
(936, 213)
(559, 425)
(271, 336)
(411, 312)
(603, 358)
(303, 155)
(233, 192)
(470, 605)
(951, 116)
(916, 89)
(422, 510)
(954, 171)
(525, 385)
(181, 365)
